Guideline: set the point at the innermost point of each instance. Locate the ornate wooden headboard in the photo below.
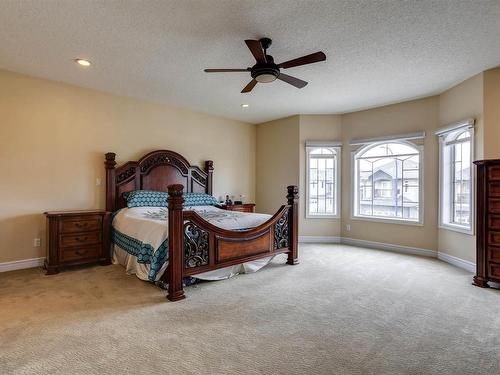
(154, 171)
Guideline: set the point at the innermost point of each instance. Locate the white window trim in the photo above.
(337, 146)
(354, 186)
(442, 133)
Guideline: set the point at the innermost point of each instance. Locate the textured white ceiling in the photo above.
(378, 52)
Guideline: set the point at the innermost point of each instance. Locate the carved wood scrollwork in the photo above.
(163, 159)
(195, 246)
(281, 232)
(125, 175)
(198, 177)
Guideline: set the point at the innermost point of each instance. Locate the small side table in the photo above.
(77, 237)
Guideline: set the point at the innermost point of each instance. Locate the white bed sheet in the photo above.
(149, 225)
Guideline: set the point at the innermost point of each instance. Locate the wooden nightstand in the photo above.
(77, 237)
(245, 207)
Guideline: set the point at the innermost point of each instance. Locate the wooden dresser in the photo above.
(77, 237)
(487, 222)
(245, 207)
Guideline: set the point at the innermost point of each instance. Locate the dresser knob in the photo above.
(81, 239)
(81, 225)
(81, 252)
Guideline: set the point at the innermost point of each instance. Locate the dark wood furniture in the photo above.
(195, 245)
(487, 222)
(244, 207)
(77, 237)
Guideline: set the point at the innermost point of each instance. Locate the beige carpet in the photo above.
(343, 310)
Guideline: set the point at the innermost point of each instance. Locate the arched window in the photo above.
(456, 188)
(387, 181)
(322, 180)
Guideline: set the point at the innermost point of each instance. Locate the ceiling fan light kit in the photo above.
(266, 71)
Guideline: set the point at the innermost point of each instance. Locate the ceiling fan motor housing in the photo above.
(265, 72)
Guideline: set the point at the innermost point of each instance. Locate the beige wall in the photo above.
(492, 113)
(316, 128)
(395, 119)
(53, 137)
(277, 160)
(458, 103)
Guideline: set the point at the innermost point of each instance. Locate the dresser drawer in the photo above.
(494, 270)
(494, 222)
(80, 224)
(80, 239)
(81, 253)
(494, 189)
(494, 205)
(494, 254)
(494, 173)
(493, 238)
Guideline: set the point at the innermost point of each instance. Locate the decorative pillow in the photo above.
(199, 199)
(146, 198)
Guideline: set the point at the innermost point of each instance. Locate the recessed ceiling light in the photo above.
(83, 62)
(245, 105)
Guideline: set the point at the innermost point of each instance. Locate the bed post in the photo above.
(110, 181)
(175, 242)
(293, 224)
(209, 169)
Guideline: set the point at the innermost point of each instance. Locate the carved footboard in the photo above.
(196, 246)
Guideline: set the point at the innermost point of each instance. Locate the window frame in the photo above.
(337, 148)
(355, 184)
(443, 142)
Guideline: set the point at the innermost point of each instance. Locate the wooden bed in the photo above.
(195, 245)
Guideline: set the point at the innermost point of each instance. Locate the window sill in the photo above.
(456, 228)
(388, 220)
(309, 216)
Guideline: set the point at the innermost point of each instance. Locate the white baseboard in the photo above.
(319, 239)
(458, 262)
(21, 264)
(390, 247)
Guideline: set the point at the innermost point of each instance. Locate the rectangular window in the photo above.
(387, 181)
(456, 206)
(322, 179)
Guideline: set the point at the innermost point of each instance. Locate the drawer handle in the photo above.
(81, 252)
(81, 238)
(81, 225)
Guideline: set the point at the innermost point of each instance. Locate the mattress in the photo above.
(140, 240)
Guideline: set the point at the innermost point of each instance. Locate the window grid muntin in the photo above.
(330, 180)
(398, 202)
(459, 140)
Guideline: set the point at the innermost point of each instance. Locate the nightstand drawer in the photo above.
(81, 224)
(237, 208)
(245, 207)
(80, 239)
(74, 254)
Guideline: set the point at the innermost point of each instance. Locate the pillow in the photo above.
(148, 198)
(199, 199)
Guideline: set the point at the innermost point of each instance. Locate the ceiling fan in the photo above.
(265, 70)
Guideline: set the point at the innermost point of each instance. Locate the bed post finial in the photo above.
(209, 169)
(175, 242)
(110, 163)
(293, 224)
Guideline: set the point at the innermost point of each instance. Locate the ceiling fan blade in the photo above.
(256, 48)
(249, 87)
(308, 59)
(224, 70)
(292, 80)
